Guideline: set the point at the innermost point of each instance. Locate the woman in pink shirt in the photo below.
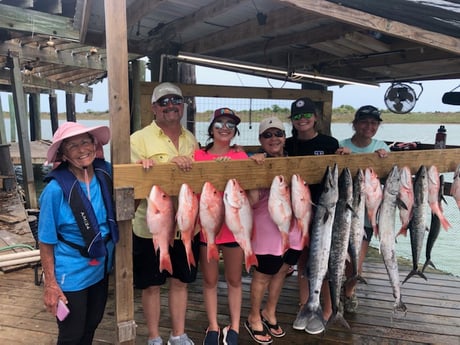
(222, 129)
(273, 262)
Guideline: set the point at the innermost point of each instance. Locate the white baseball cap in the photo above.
(270, 122)
(165, 89)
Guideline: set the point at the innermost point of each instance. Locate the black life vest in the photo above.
(83, 211)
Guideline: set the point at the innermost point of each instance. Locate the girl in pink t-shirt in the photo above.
(221, 131)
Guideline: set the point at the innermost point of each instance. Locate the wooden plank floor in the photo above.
(433, 315)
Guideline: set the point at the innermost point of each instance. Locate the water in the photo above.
(445, 254)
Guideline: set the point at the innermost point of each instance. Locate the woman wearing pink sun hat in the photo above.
(77, 231)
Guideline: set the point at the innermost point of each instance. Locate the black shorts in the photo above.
(146, 263)
(271, 264)
(369, 231)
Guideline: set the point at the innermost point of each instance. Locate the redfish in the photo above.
(238, 217)
(186, 218)
(455, 188)
(433, 196)
(160, 220)
(373, 196)
(406, 195)
(302, 206)
(211, 214)
(279, 207)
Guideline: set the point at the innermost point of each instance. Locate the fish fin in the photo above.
(165, 263)
(401, 204)
(251, 260)
(339, 319)
(444, 222)
(190, 258)
(285, 241)
(428, 262)
(212, 252)
(413, 273)
(402, 231)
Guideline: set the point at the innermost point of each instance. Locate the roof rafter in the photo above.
(35, 22)
(383, 25)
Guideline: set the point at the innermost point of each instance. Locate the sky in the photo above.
(356, 96)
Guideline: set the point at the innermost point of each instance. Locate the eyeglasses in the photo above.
(175, 100)
(268, 135)
(74, 146)
(220, 125)
(302, 116)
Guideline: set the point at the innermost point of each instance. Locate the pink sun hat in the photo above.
(101, 135)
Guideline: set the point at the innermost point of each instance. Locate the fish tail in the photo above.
(444, 222)
(399, 306)
(356, 277)
(413, 273)
(338, 318)
(250, 260)
(402, 231)
(285, 240)
(428, 262)
(190, 257)
(165, 263)
(212, 252)
(305, 241)
(376, 230)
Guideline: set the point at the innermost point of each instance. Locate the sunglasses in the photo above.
(175, 100)
(302, 116)
(268, 135)
(220, 125)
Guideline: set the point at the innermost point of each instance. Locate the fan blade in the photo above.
(398, 106)
(392, 94)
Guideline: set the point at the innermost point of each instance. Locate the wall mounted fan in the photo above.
(401, 98)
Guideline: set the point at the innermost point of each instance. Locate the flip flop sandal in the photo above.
(253, 334)
(271, 328)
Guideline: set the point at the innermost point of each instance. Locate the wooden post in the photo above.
(117, 69)
(70, 107)
(2, 125)
(12, 119)
(24, 144)
(54, 115)
(136, 94)
(35, 117)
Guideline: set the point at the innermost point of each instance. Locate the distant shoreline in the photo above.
(337, 116)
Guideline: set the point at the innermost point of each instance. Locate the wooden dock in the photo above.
(433, 315)
(38, 150)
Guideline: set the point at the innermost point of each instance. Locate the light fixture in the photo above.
(213, 61)
(333, 79)
(258, 69)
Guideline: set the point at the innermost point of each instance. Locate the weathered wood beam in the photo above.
(202, 15)
(86, 14)
(139, 9)
(22, 19)
(252, 175)
(117, 69)
(21, 121)
(32, 81)
(51, 55)
(278, 44)
(380, 24)
(249, 31)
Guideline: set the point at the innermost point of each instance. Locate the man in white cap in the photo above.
(165, 140)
